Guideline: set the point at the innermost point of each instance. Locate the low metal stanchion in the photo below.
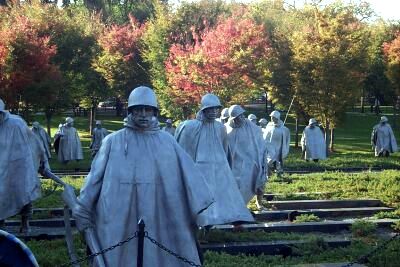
(141, 234)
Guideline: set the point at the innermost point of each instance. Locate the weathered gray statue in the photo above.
(19, 183)
(247, 148)
(206, 141)
(382, 139)
(277, 140)
(169, 128)
(43, 137)
(70, 147)
(313, 142)
(140, 172)
(224, 116)
(263, 123)
(98, 135)
(252, 118)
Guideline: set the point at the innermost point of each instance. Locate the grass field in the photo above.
(352, 149)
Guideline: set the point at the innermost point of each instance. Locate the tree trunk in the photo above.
(362, 104)
(49, 114)
(266, 103)
(332, 140)
(92, 118)
(327, 136)
(296, 135)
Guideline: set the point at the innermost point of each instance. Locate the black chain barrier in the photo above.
(101, 252)
(364, 258)
(136, 235)
(161, 246)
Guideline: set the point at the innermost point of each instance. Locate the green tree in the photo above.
(329, 63)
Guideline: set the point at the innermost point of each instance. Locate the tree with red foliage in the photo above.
(25, 58)
(120, 62)
(392, 57)
(231, 60)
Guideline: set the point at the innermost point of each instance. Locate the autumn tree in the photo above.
(329, 63)
(120, 62)
(391, 51)
(182, 26)
(28, 73)
(230, 60)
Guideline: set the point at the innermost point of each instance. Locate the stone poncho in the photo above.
(247, 148)
(383, 139)
(70, 147)
(44, 139)
(277, 141)
(206, 142)
(19, 182)
(144, 175)
(313, 142)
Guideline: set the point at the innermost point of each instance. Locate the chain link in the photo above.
(161, 246)
(365, 257)
(136, 235)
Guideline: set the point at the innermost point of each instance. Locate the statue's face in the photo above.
(312, 125)
(275, 120)
(239, 120)
(143, 115)
(70, 124)
(254, 121)
(211, 113)
(98, 126)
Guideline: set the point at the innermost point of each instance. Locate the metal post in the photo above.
(141, 225)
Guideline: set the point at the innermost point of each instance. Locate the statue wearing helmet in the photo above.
(248, 149)
(206, 141)
(98, 135)
(277, 141)
(168, 127)
(224, 116)
(252, 118)
(19, 181)
(140, 172)
(313, 142)
(43, 137)
(69, 143)
(383, 140)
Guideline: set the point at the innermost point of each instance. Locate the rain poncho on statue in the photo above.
(206, 141)
(70, 147)
(140, 172)
(98, 135)
(277, 139)
(382, 138)
(43, 137)
(19, 183)
(313, 141)
(247, 148)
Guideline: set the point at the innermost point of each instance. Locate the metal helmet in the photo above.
(210, 101)
(142, 96)
(384, 119)
(2, 106)
(263, 122)
(235, 111)
(35, 124)
(69, 120)
(252, 117)
(275, 114)
(312, 121)
(98, 122)
(224, 113)
(168, 121)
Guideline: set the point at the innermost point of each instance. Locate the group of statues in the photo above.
(203, 173)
